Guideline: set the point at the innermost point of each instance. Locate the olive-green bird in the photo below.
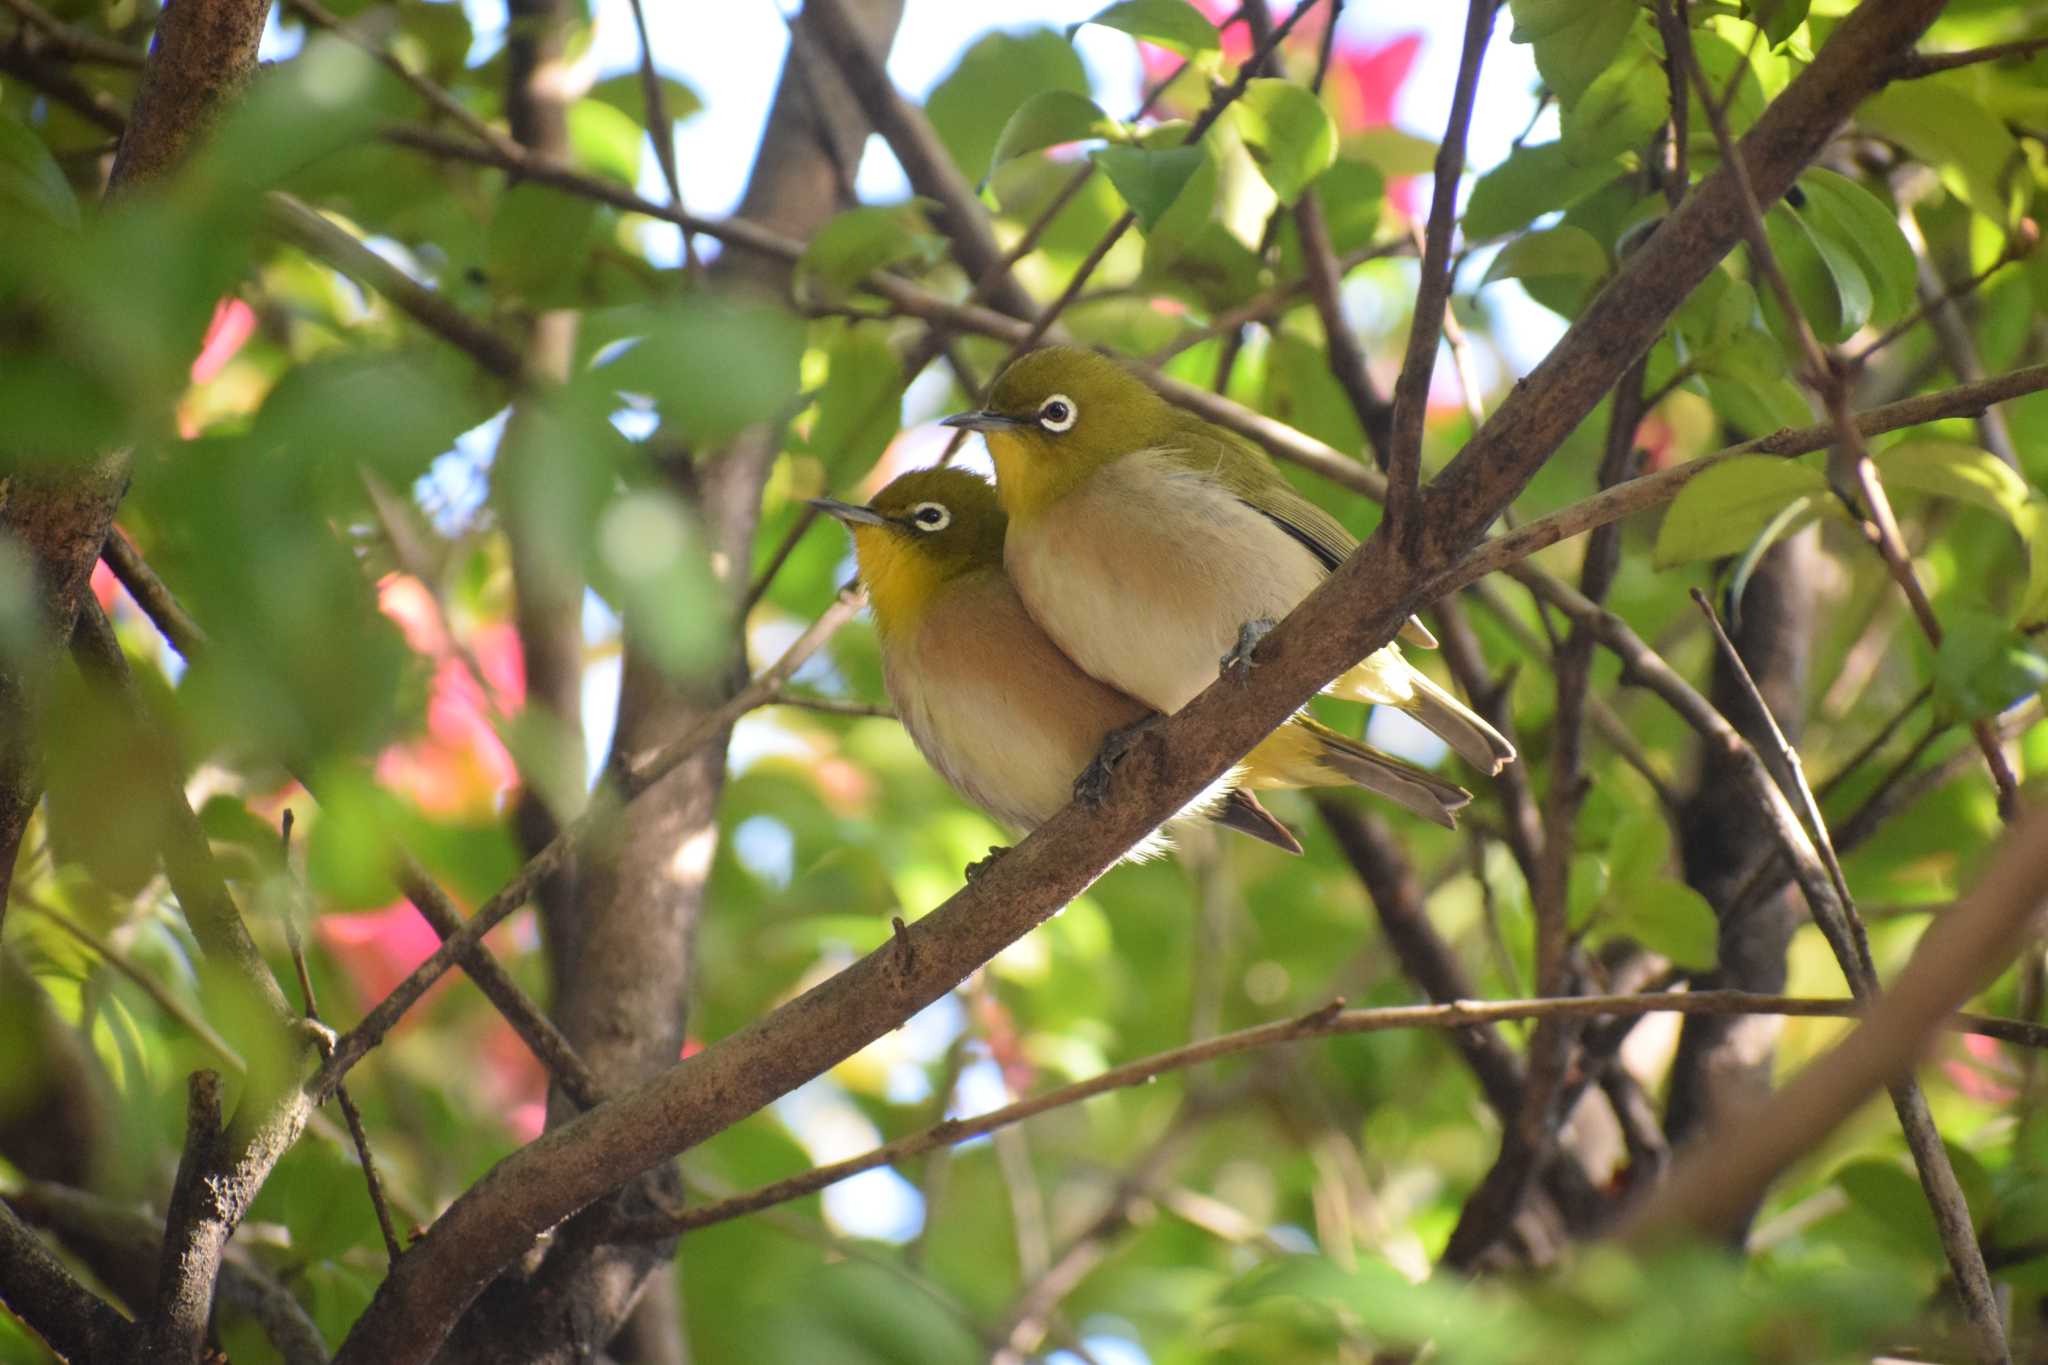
(1144, 540)
(1005, 717)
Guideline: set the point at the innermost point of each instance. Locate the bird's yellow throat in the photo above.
(901, 580)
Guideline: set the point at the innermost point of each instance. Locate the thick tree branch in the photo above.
(35, 1287)
(1963, 948)
(193, 1242)
(1356, 610)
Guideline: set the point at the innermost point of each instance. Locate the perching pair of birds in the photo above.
(1125, 549)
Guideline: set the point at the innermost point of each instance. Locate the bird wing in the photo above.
(1248, 472)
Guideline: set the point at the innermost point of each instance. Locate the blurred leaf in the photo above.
(1779, 19)
(1723, 508)
(1888, 1193)
(1171, 24)
(1288, 132)
(540, 241)
(653, 564)
(30, 180)
(1667, 916)
(627, 93)
(1939, 121)
(604, 141)
(860, 407)
(1983, 666)
(860, 241)
(2033, 605)
(1748, 379)
(1534, 180)
(1049, 119)
(713, 366)
(1558, 251)
(104, 771)
(1953, 469)
(1622, 107)
(1149, 181)
(1573, 40)
(972, 104)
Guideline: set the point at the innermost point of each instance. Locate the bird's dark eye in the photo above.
(930, 516)
(1057, 413)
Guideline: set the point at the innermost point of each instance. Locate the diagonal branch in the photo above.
(34, 1285)
(1357, 609)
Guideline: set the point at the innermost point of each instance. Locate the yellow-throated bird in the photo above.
(1144, 540)
(1003, 715)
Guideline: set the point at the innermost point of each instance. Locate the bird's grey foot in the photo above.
(1238, 663)
(1093, 784)
(981, 865)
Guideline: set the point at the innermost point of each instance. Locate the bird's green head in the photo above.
(925, 529)
(1056, 416)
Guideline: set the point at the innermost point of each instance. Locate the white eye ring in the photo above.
(1058, 413)
(930, 516)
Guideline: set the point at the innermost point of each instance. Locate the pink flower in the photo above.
(1370, 77)
(233, 324)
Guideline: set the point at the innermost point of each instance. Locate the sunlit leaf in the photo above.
(1566, 251)
(973, 103)
(1149, 181)
(1288, 133)
(1723, 508)
(1534, 180)
(1939, 122)
(1174, 24)
(860, 241)
(1048, 119)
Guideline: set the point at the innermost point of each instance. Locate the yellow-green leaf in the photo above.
(1722, 510)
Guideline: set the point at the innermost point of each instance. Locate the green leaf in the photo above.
(1171, 24)
(713, 366)
(1671, 918)
(1954, 469)
(1779, 19)
(1827, 282)
(540, 241)
(1535, 179)
(1587, 882)
(1149, 181)
(1983, 666)
(1942, 123)
(857, 243)
(1553, 251)
(1048, 119)
(971, 106)
(1722, 509)
(1851, 219)
(1573, 40)
(1621, 109)
(627, 93)
(1639, 849)
(30, 180)
(1888, 1193)
(860, 407)
(1288, 133)
(604, 141)
(1747, 380)
(2033, 607)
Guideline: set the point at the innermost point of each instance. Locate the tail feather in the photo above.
(1242, 812)
(1457, 725)
(1307, 753)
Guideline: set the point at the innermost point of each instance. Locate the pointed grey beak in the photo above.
(848, 512)
(984, 420)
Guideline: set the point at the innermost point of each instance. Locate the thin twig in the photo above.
(1914, 65)
(1322, 1023)
(1411, 390)
(662, 129)
(349, 1112)
(72, 43)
